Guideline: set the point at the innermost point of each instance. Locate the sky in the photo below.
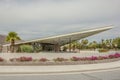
(33, 19)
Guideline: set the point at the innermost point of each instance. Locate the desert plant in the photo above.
(1, 59)
(103, 50)
(26, 48)
(75, 58)
(43, 59)
(60, 59)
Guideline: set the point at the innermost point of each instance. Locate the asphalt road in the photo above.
(102, 75)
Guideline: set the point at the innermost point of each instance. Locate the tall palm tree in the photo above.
(84, 43)
(94, 45)
(12, 37)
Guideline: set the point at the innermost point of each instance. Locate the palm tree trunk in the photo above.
(12, 46)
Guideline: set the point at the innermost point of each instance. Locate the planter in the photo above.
(17, 63)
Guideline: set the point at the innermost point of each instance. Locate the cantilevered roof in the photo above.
(66, 38)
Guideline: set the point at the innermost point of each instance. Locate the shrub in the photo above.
(93, 58)
(26, 48)
(76, 58)
(21, 59)
(25, 58)
(117, 55)
(43, 59)
(12, 59)
(103, 50)
(60, 59)
(1, 59)
(102, 57)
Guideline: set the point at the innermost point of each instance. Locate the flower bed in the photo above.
(61, 61)
(21, 59)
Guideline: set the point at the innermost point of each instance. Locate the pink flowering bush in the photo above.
(116, 55)
(93, 58)
(22, 59)
(111, 56)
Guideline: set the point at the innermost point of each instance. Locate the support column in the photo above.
(57, 47)
(69, 44)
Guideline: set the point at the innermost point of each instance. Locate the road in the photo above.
(100, 75)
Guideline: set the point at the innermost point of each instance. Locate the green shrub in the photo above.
(60, 59)
(103, 50)
(26, 48)
(37, 48)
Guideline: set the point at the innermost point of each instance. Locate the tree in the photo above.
(74, 45)
(26, 48)
(116, 43)
(12, 37)
(84, 43)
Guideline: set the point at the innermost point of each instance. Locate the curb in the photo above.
(58, 69)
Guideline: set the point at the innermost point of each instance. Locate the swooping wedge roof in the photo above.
(66, 38)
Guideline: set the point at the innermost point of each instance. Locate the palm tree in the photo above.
(12, 37)
(116, 42)
(74, 45)
(84, 43)
(93, 45)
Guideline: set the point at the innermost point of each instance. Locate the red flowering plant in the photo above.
(1, 59)
(93, 58)
(116, 55)
(22, 59)
(25, 58)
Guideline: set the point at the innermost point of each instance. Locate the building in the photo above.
(53, 43)
(2, 41)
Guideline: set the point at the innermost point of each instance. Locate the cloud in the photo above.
(53, 12)
(38, 18)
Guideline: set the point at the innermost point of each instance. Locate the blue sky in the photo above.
(33, 19)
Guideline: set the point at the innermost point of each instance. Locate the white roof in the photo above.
(66, 38)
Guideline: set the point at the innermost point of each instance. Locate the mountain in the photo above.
(2, 39)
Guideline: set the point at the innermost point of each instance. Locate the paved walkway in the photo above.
(58, 68)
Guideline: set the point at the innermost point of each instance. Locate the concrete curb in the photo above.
(58, 68)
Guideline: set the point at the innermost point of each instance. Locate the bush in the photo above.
(75, 58)
(1, 59)
(26, 48)
(103, 50)
(21, 59)
(43, 59)
(60, 59)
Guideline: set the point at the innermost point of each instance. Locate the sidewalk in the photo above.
(58, 68)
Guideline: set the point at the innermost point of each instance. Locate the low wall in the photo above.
(50, 55)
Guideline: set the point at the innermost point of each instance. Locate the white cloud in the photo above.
(52, 17)
(12, 13)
